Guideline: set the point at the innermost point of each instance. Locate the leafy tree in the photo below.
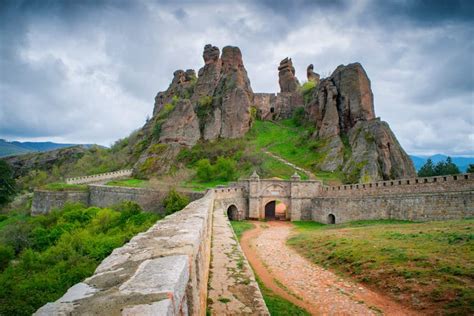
(174, 202)
(470, 168)
(7, 183)
(427, 170)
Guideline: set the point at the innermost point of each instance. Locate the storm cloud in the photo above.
(88, 71)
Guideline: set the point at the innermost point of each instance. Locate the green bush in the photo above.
(174, 202)
(204, 170)
(225, 169)
(57, 250)
(307, 90)
(299, 118)
(7, 183)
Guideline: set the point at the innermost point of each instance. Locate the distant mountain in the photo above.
(17, 148)
(461, 162)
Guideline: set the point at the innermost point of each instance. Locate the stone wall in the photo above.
(163, 271)
(235, 195)
(100, 177)
(104, 196)
(45, 201)
(272, 106)
(416, 199)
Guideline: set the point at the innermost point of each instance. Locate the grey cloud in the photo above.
(87, 71)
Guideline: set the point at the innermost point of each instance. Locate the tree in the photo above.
(174, 202)
(446, 167)
(427, 170)
(204, 171)
(7, 183)
(470, 168)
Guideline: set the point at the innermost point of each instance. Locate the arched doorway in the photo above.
(331, 219)
(275, 210)
(232, 213)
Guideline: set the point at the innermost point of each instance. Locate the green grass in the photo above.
(278, 306)
(65, 187)
(240, 227)
(292, 143)
(131, 183)
(426, 265)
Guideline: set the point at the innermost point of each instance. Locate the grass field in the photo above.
(65, 187)
(428, 266)
(131, 183)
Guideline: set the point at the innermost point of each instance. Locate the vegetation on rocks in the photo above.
(425, 265)
(174, 202)
(7, 183)
(42, 256)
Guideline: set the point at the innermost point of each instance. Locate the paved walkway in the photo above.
(232, 286)
(314, 288)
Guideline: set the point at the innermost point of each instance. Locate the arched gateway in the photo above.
(270, 199)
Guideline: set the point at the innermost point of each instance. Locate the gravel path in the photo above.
(310, 175)
(314, 288)
(232, 286)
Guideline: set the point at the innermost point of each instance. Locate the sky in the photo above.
(88, 71)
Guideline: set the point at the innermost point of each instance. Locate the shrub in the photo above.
(204, 171)
(7, 253)
(225, 169)
(174, 202)
(299, 118)
(7, 183)
(307, 90)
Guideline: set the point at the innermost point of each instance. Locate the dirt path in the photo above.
(317, 290)
(232, 286)
(310, 175)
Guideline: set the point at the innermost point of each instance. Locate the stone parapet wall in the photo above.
(163, 271)
(413, 207)
(100, 177)
(461, 182)
(44, 201)
(150, 200)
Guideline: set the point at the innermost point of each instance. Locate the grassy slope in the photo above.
(426, 265)
(291, 143)
(276, 304)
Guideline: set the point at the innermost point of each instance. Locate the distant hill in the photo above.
(461, 162)
(17, 148)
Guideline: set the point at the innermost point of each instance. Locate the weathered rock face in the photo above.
(214, 105)
(286, 74)
(363, 147)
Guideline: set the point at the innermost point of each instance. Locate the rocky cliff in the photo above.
(341, 108)
(219, 103)
(216, 104)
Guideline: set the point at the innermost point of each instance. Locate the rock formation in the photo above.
(217, 104)
(311, 75)
(286, 74)
(357, 143)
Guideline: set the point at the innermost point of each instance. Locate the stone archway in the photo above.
(270, 210)
(331, 219)
(232, 213)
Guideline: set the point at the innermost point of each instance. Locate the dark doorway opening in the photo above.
(270, 210)
(232, 213)
(331, 219)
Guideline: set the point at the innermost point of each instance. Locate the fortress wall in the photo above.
(407, 206)
(104, 196)
(234, 195)
(44, 201)
(163, 271)
(100, 177)
(149, 200)
(461, 182)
